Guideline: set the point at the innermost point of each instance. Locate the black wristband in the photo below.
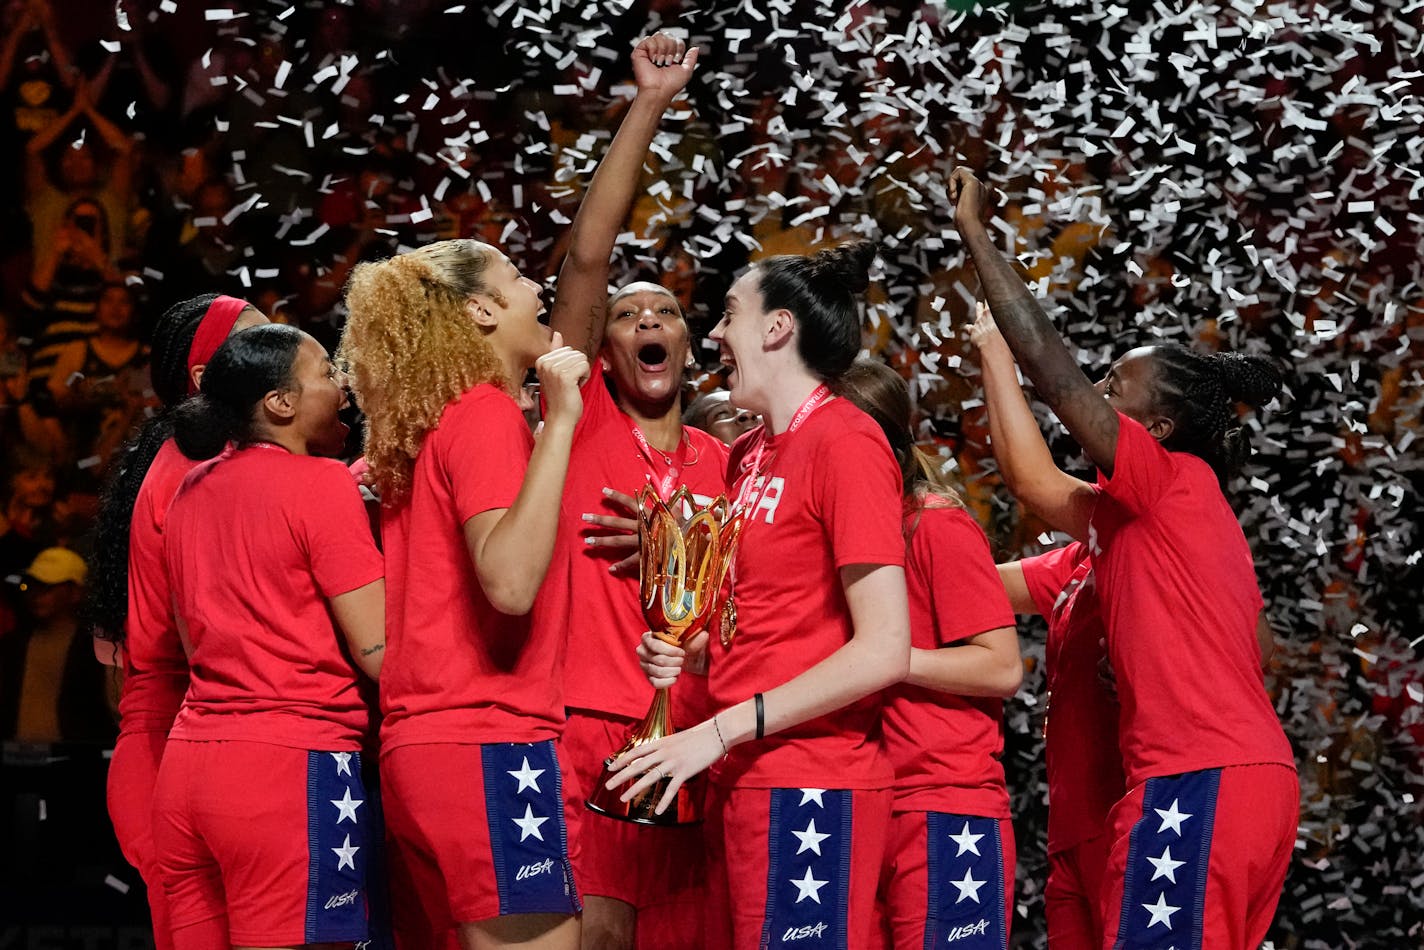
(761, 716)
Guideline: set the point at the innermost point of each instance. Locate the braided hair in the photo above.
(106, 602)
(1199, 393)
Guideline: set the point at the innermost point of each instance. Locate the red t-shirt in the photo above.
(155, 666)
(1180, 602)
(946, 749)
(1084, 762)
(602, 610)
(830, 498)
(257, 541)
(456, 669)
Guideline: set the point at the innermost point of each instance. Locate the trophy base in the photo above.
(684, 809)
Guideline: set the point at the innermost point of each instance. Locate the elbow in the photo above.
(579, 260)
(895, 664)
(1010, 476)
(1008, 679)
(515, 600)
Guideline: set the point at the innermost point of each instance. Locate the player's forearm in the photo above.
(1014, 434)
(516, 554)
(972, 669)
(1041, 352)
(580, 310)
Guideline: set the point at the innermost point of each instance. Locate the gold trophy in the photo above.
(682, 567)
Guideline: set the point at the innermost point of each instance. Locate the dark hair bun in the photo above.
(202, 426)
(847, 264)
(1253, 380)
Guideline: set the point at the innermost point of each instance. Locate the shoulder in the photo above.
(170, 467)
(194, 482)
(843, 414)
(844, 437)
(1057, 561)
(947, 527)
(481, 405)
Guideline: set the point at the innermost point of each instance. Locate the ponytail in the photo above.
(881, 393)
(202, 426)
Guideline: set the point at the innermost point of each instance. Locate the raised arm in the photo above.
(1025, 463)
(11, 44)
(43, 139)
(661, 69)
(1030, 334)
(63, 62)
(113, 136)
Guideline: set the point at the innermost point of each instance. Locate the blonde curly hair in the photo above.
(412, 347)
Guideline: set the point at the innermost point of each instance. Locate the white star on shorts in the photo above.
(347, 806)
(528, 778)
(529, 825)
(1171, 818)
(1161, 911)
(966, 841)
(1165, 866)
(343, 762)
(808, 886)
(968, 888)
(347, 854)
(810, 838)
(812, 795)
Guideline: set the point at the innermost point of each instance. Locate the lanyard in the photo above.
(670, 478)
(818, 398)
(746, 503)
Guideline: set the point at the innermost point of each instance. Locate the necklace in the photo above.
(675, 462)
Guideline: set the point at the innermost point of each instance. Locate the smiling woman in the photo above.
(1182, 609)
(645, 346)
(796, 693)
(643, 881)
(273, 714)
(438, 339)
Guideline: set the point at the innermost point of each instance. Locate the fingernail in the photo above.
(587, 517)
(588, 541)
(607, 492)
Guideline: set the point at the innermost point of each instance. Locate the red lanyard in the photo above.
(818, 398)
(670, 478)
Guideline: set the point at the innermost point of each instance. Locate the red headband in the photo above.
(216, 324)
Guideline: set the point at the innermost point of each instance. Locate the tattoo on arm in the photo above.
(373, 649)
(597, 323)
